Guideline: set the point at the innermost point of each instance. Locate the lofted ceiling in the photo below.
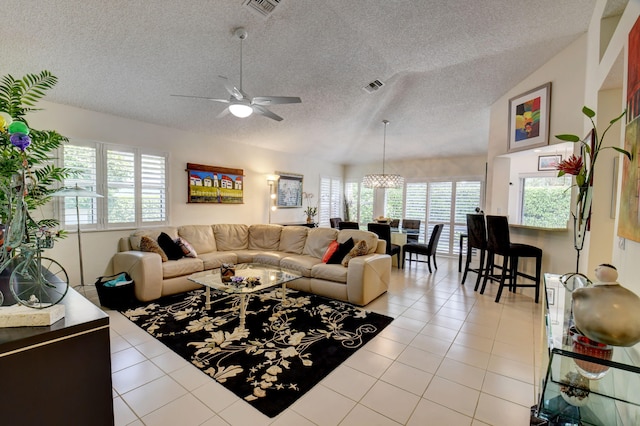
(443, 63)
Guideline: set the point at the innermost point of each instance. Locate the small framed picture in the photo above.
(548, 162)
(529, 119)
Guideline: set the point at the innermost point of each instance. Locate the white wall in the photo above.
(566, 72)
(184, 147)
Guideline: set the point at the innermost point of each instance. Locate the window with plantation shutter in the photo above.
(365, 205)
(393, 203)
(153, 197)
(446, 202)
(440, 208)
(467, 199)
(121, 185)
(351, 196)
(330, 200)
(416, 204)
(324, 204)
(83, 160)
(131, 180)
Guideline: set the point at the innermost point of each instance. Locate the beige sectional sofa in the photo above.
(291, 247)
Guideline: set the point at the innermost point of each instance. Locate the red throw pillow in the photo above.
(333, 246)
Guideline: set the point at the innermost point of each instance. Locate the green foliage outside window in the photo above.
(546, 202)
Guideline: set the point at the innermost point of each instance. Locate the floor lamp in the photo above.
(77, 192)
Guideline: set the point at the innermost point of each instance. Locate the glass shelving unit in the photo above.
(570, 392)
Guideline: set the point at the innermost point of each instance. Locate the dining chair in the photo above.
(428, 250)
(413, 226)
(476, 239)
(499, 243)
(348, 225)
(394, 224)
(334, 221)
(383, 231)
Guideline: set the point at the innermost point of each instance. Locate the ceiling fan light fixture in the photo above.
(240, 110)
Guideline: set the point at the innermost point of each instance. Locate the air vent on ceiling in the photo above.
(263, 7)
(373, 86)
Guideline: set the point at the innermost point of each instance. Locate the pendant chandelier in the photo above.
(383, 180)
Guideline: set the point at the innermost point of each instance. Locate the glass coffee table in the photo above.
(269, 276)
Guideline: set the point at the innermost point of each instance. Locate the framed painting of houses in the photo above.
(289, 190)
(529, 119)
(211, 184)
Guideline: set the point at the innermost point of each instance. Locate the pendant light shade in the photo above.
(383, 180)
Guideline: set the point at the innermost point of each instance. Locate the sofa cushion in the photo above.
(300, 263)
(293, 238)
(153, 233)
(246, 256)
(170, 247)
(231, 236)
(180, 267)
(318, 239)
(199, 236)
(151, 246)
(368, 237)
(360, 249)
(337, 273)
(214, 259)
(272, 258)
(264, 237)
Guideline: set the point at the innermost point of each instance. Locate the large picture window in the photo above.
(131, 180)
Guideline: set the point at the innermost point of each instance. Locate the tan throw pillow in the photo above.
(360, 249)
(148, 245)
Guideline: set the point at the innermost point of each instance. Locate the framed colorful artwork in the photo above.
(211, 184)
(289, 190)
(629, 221)
(548, 162)
(529, 119)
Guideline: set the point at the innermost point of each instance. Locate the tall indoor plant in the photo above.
(28, 171)
(582, 167)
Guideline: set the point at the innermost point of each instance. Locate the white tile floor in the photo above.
(450, 357)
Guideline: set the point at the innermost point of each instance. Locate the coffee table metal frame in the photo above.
(270, 276)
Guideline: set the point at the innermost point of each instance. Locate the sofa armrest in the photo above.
(368, 277)
(145, 269)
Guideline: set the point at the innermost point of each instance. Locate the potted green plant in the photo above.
(28, 171)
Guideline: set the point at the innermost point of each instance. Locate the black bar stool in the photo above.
(498, 242)
(476, 239)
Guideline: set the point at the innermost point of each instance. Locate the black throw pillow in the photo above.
(343, 250)
(172, 250)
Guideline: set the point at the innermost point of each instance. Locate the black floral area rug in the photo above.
(285, 348)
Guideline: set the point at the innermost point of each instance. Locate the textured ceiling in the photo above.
(443, 64)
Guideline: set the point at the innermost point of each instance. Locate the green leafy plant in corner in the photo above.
(584, 169)
(27, 164)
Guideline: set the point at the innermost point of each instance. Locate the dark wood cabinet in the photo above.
(58, 374)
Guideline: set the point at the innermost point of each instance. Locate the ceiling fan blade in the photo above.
(264, 111)
(273, 100)
(224, 101)
(223, 113)
(233, 91)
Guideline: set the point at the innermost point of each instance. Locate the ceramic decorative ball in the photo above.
(607, 312)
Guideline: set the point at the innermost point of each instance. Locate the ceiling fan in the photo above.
(241, 105)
